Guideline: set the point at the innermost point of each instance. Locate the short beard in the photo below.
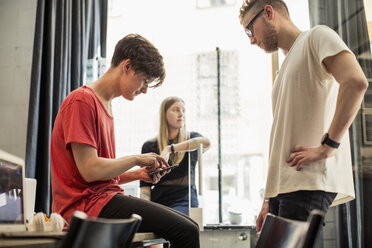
(270, 43)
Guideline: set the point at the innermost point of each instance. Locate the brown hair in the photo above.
(247, 5)
(144, 57)
(163, 129)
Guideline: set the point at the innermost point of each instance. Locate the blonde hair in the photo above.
(163, 129)
(247, 5)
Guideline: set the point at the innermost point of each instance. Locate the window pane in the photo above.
(188, 39)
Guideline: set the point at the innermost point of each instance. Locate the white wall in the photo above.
(17, 23)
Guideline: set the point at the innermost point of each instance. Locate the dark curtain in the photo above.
(66, 31)
(348, 19)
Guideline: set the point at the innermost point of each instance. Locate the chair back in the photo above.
(314, 221)
(278, 232)
(100, 232)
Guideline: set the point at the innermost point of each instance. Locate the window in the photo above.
(213, 3)
(187, 37)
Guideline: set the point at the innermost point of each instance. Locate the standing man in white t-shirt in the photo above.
(316, 96)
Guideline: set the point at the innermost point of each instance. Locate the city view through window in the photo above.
(187, 34)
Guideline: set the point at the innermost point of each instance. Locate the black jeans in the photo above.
(177, 228)
(298, 205)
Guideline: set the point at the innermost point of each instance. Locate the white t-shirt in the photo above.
(303, 101)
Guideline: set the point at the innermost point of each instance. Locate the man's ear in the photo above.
(269, 12)
(126, 66)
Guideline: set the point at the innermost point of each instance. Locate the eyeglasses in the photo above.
(248, 28)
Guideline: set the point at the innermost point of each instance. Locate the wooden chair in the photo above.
(278, 232)
(100, 232)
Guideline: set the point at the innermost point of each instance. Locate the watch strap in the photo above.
(329, 142)
(172, 148)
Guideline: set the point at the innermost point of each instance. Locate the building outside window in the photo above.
(187, 36)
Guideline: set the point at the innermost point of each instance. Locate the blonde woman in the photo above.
(178, 147)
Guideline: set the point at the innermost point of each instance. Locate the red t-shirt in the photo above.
(82, 119)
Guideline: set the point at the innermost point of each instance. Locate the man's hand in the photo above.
(301, 155)
(262, 215)
(144, 176)
(152, 161)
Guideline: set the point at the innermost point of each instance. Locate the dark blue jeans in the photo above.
(182, 205)
(298, 205)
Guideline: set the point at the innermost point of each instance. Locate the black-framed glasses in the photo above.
(248, 28)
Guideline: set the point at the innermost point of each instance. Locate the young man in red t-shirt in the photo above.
(85, 174)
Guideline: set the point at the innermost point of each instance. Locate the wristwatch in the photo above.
(329, 142)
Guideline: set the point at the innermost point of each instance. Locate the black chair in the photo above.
(278, 232)
(100, 232)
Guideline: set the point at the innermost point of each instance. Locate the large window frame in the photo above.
(245, 131)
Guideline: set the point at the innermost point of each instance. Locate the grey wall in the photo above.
(17, 23)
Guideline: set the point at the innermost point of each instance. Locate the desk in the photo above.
(29, 243)
(139, 240)
(221, 236)
(148, 239)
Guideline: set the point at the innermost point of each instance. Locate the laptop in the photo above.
(12, 199)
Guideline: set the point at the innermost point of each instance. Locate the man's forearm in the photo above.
(129, 176)
(93, 168)
(349, 99)
(352, 85)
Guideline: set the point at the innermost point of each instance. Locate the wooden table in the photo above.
(139, 240)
